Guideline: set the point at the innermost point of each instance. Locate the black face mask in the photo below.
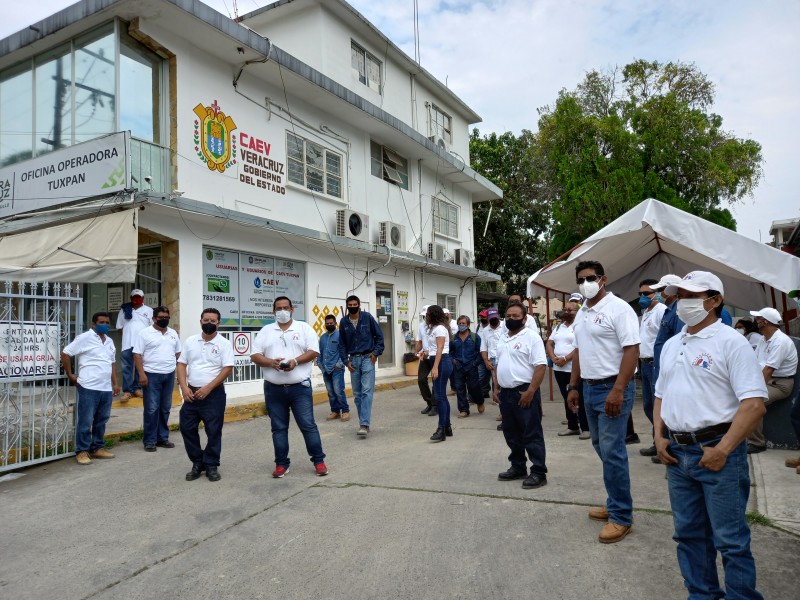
(494, 322)
(353, 309)
(514, 324)
(162, 322)
(330, 328)
(208, 328)
(484, 322)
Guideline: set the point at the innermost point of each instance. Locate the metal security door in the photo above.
(384, 312)
(37, 419)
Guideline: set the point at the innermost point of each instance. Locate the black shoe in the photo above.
(150, 448)
(165, 444)
(439, 435)
(213, 474)
(651, 451)
(753, 449)
(426, 410)
(433, 412)
(632, 439)
(656, 460)
(510, 475)
(533, 481)
(500, 427)
(195, 473)
(448, 431)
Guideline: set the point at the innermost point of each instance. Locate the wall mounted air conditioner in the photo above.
(353, 225)
(437, 252)
(392, 235)
(464, 258)
(443, 145)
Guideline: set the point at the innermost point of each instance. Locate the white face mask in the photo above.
(691, 311)
(741, 330)
(589, 289)
(283, 316)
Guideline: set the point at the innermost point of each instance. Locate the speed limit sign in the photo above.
(241, 344)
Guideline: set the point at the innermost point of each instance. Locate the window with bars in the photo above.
(366, 67)
(313, 166)
(388, 165)
(447, 301)
(441, 124)
(445, 218)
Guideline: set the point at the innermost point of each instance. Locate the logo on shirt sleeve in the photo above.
(704, 361)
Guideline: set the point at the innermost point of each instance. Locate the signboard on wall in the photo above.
(258, 289)
(221, 283)
(94, 168)
(29, 350)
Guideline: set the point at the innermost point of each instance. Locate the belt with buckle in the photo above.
(360, 353)
(687, 438)
(647, 361)
(611, 379)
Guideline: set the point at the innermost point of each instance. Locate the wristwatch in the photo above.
(572, 388)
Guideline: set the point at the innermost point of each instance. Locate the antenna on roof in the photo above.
(417, 57)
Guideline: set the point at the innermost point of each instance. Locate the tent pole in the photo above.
(549, 331)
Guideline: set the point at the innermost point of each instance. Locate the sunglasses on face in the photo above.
(646, 293)
(589, 278)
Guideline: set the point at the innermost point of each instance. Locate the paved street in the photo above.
(398, 517)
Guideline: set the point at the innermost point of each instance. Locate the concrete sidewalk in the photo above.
(398, 517)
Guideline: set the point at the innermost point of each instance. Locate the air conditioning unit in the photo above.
(353, 225)
(437, 252)
(443, 145)
(392, 235)
(464, 258)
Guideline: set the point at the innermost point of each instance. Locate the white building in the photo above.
(296, 152)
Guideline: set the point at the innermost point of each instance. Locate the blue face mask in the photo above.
(102, 329)
(462, 328)
(645, 302)
(659, 297)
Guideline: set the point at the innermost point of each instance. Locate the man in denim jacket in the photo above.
(330, 363)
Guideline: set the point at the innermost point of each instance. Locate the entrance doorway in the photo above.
(384, 311)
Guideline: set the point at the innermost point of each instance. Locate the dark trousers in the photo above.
(211, 412)
(573, 421)
(794, 416)
(423, 373)
(485, 377)
(468, 386)
(522, 428)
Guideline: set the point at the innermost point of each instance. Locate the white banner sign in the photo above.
(290, 281)
(94, 168)
(221, 283)
(257, 287)
(29, 350)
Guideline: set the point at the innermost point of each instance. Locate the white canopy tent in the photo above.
(654, 239)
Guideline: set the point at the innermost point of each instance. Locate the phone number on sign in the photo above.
(219, 298)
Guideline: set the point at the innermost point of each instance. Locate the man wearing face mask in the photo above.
(330, 363)
(133, 317)
(652, 315)
(489, 339)
(777, 357)
(155, 352)
(465, 352)
(204, 365)
(483, 374)
(709, 396)
(360, 345)
(605, 357)
(97, 384)
(529, 323)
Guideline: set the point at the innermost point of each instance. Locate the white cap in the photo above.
(576, 297)
(424, 310)
(770, 314)
(446, 310)
(665, 281)
(137, 293)
(697, 281)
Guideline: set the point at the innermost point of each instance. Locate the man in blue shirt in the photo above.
(465, 350)
(360, 345)
(332, 367)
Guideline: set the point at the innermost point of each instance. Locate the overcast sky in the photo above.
(506, 58)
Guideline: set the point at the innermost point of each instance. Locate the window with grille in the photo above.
(366, 67)
(388, 165)
(313, 166)
(447, 301)
(441, 124)
(445, 218)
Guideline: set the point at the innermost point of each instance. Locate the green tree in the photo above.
(645, 131)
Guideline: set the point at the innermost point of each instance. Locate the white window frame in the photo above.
(447, 301)
(450, 209)
(366, 67)
(441, 124)
(327, 175)
(389, 166)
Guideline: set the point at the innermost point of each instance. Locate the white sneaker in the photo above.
(569, 432)
(585, 435)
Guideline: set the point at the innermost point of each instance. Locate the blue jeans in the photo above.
(297, 397)
(94, 410)
(708, 510)
(211, 412)
(522, 428)
(130, 376)
(608, 439)
(467, 386)
(649, 375)
(440, 388)
(362, 380)
(334, 383)
(157, 404)
(794, 415)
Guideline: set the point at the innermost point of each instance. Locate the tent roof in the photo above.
(654, 239)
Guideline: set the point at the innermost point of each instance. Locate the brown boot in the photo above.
(345, 416)
(613, 532)
(793, 463)
(598, 514)
(101, 453)
(332, 416)
(83, 458)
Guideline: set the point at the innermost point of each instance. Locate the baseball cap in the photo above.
(484, 313)
(424, 310)
(137, 293)
(492, 313)
(697, 281)
(770, 314)
(576, 297)
(665, 281)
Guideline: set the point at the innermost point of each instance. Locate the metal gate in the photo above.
(37, 418)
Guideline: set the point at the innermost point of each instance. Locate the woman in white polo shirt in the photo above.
(438, 331)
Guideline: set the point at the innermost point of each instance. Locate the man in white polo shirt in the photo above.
(777, 357)
(132, 318)
(709, 396)
(605, 356)
(489, 339)
(521, 367)
(285, 350)
(155, 352)
(97, 383)
(203, 366)
(652, 313)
